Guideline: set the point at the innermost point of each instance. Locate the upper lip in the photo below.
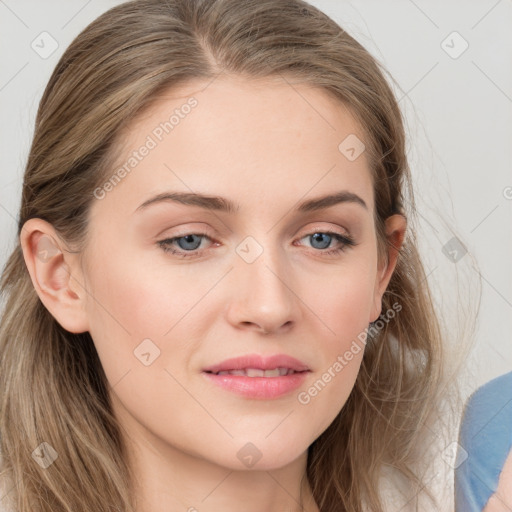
(258, 362)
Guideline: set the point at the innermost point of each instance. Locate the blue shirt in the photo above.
(486, 436)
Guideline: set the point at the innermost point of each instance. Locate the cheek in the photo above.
(128, 304)
(138, 307)
(343, 299)
(145, 327)
(344, 304)
(142, 298)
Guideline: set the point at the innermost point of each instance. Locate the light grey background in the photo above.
(459, 122)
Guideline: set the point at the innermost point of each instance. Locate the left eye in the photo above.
(186, 244)
(322, 240)
(189, 243)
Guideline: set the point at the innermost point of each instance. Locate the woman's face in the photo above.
(233, 183)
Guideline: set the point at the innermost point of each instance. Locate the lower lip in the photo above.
(262, 388)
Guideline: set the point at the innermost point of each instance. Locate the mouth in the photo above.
(258, 377)
(258, 372)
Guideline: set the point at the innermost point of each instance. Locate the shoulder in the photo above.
(485, 441)
(500, 386)
(501, 500)
(488, 412)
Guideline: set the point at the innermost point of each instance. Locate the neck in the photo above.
(170, 480)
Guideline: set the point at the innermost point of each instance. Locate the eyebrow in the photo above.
(222, 204)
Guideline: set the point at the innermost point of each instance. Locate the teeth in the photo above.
(253, 372)
(257, 372)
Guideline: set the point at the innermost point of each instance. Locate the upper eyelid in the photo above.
(315, 229)
(211, 237)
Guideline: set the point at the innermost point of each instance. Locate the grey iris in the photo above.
(322, 238)
(192, 242)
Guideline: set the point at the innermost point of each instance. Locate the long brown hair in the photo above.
(53, 388)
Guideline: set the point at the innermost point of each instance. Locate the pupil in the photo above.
(189, 239)
(323, 238)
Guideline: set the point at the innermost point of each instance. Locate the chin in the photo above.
(262, 455)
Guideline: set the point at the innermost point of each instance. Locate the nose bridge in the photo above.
(264, 295)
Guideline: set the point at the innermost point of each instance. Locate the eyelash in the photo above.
(345, 240)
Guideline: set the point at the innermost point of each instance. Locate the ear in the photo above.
(55, 274)
(395, 233)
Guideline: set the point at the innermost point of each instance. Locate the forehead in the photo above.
(256, 141)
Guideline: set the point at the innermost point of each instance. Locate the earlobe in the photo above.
(396, 226)
(52, 271)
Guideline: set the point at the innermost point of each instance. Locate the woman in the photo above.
(483, 477)
(216, 301)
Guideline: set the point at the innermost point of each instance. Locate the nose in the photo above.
(264, 299)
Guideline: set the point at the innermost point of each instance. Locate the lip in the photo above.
(258, 361)
(263, 388)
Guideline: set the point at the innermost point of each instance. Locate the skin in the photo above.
(501, 500)
(266, 146)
